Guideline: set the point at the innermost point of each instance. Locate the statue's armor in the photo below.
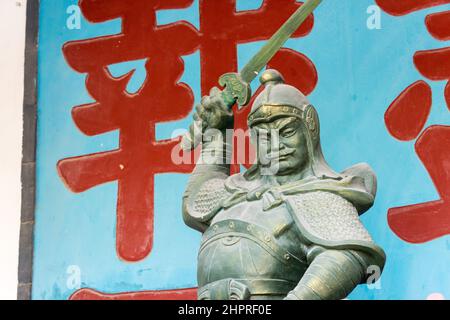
(257, 245)
(242, 243)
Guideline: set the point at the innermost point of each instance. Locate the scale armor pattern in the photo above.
(330, 217)
(209, 196)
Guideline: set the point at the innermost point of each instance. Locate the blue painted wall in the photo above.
(360, 72)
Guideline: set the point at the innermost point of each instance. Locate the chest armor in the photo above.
(244, 242)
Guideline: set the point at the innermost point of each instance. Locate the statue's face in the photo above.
(282, 145)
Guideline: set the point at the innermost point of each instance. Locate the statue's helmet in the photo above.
(278, 100)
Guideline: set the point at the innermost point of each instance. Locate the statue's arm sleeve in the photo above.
(340, 249)
(206, 187)
(332, 275)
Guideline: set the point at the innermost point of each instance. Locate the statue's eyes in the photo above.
(289, 132)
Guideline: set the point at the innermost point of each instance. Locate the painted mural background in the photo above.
(354, 65)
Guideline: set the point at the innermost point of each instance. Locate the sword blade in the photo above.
(260, 60)
(237, 85)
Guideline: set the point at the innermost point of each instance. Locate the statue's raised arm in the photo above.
(206, 187)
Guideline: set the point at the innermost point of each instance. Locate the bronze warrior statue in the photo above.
(289, 227)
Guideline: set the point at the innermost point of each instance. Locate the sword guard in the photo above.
(235, 89)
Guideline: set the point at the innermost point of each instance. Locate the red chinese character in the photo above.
(407, 116)
(402, 7)
(161, 98)
(427, 221)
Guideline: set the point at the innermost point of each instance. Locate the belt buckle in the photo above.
(227, 289)
(238, 291)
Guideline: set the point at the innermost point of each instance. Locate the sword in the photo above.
(237, 85)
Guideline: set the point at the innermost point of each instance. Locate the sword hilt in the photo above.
(235, 91)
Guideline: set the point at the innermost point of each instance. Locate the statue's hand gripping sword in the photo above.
(237, 85)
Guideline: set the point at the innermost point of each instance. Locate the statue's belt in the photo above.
(244, 289)
(238, 228)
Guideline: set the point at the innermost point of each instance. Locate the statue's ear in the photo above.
(311, 121)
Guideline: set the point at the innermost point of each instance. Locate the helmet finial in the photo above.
(271, 77)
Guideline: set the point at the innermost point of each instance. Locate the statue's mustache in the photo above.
(278, 154)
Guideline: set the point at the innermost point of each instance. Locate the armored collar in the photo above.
(351, 188)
